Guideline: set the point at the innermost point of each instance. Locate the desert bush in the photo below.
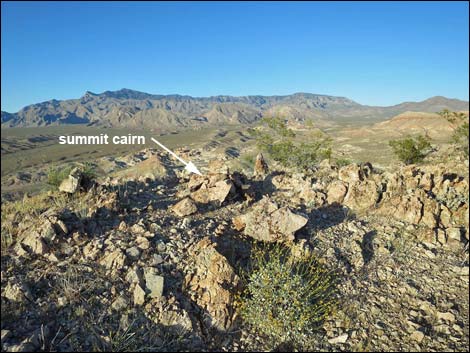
(280, 144)
(459, 123)
(411, 150)
(56, 175)
(342, 162)
(286, 298)
(460, 138)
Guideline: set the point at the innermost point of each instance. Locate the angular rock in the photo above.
(139, 295)
(267, 222)
(218, 192)
(35, 243)
(113, 260)
(261, 167)
(72, 183)
(185, 207)
(153, 282)
(212, 285)
(362, 195)
(133, 253)
(336, 192)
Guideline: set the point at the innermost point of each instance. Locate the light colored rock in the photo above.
(267, 222)
(336, 192)
(185, 207)
(453, 236)
(139, 295)
(261, 167)
(153, 282)
(212, 284)
(417, 336)
(350, 174)
(72, 183)
(16, 292)
(113, 260)
(340, 339)
(133, 253)
(35, 243)
(362, 195)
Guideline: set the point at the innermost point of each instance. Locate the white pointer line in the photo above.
(189, 166)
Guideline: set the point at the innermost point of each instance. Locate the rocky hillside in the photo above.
(128, 108)
(157, 260)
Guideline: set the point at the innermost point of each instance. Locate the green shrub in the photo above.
(286, 298)
(280, 144)
(460, 138)
(411, 150)
(55, 176)
(88, 171)
(459, 123)
(342, 162)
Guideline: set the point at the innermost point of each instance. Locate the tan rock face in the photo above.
(185, 207)
(267, 222)
(261, 167)
(362, 195)
(72, 183)
(336, 192)
(212, 285)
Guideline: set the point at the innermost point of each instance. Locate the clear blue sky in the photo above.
(374, 53)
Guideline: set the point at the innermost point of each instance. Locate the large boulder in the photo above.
(267, 222)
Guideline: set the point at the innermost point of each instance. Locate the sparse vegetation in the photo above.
(342, 162)
(280, 143)
(459, 123)
(286, 297)
(411, 150)
(56, 175)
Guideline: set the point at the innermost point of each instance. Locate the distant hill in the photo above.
(431, 124)
(129, 108)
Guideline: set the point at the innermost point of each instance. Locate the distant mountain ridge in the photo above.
(134, 109)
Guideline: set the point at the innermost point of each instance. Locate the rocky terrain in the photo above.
(131, 109)
(155, 259)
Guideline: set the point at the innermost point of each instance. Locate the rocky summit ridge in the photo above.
(155, 260)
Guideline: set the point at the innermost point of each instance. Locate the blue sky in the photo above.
(374, 53)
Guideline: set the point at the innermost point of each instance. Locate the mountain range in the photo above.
(133, 109)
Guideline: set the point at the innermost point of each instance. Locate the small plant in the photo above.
(56, 175)
(459, 123)
(342, 162)
(286, 298)
(279, 142)
(411, 150)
